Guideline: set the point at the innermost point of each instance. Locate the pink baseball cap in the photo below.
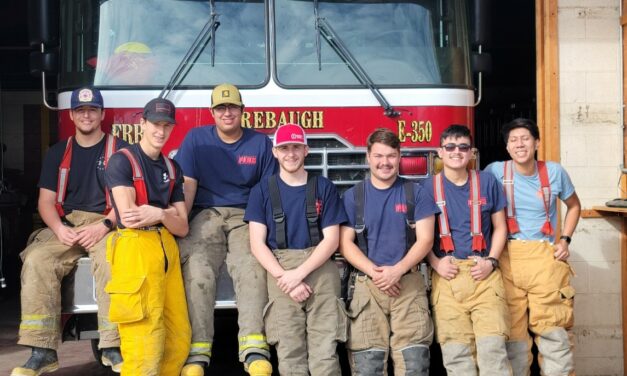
(290, 134)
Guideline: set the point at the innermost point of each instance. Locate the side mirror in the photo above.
(43, 22)
(44, 62)
(481, 22)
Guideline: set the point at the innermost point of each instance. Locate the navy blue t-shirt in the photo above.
(293, 201)
(156, 177)
(385, 219)
(458, 208)
(225, 172)
(86, 182)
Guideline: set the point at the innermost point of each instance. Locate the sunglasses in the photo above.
(462, 147)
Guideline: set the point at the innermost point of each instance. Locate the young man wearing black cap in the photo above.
(146, 287)
(221, 164)
(75, 208)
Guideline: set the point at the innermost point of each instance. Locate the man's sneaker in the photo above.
(41, 361)
(193, 369)
(259, 367)
(111, 357)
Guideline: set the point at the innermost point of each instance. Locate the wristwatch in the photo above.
(567, 238)
(495, 262)
(108, 224)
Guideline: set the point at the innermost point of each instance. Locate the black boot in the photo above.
(41, 361)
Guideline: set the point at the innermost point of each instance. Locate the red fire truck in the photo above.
(339, 68)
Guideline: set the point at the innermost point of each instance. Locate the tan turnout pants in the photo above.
(46, 261)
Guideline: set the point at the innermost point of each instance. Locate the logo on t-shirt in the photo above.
(247, 160)
(482, 200)
(165, 177)
(400, 208)
(100, 165)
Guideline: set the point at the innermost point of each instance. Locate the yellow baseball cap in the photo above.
(225, 94)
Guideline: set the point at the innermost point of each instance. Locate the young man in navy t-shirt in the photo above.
(221, 164)
(304, 309)
(468, 297)
(389, 311)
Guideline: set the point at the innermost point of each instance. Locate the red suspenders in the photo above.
(64, 173)
(141, 193)
(508, 186)
(446, 238)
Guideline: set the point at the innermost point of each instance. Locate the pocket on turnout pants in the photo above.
(127, 305)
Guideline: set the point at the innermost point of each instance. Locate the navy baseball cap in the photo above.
(160, 109)
(86, 96)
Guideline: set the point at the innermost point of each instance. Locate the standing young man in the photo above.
(304, 318)
(389, 310)
(468, 297)
(74, 206)
(146, 287)
(535, 272)
(221, 164)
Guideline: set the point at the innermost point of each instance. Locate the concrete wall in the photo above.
(591, 150)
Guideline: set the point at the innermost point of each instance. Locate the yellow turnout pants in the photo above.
(148, 302)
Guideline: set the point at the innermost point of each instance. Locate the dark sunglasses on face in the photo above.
(451, 147)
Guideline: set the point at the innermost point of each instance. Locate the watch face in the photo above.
(107, 222)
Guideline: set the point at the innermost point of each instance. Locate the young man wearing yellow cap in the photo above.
(221, 164)
(294, 221)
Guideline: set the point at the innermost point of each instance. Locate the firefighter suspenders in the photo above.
(141, 192)
(278, 215)
(360, 225)
(508, 186)
(64, 173)
(446, 238)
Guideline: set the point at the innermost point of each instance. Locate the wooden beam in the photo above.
(547, 79)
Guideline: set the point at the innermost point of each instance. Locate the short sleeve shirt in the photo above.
(458, 209)
(385, 218)
(528, 199)
(120, 173)
(86, 181)
(293, 203)
(225, 172)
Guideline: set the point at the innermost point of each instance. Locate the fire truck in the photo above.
(339, 68)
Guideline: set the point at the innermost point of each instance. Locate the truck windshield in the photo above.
(398, 43)
(122, 43)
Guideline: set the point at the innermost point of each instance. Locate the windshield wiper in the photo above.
(324, 28)
(207, 34)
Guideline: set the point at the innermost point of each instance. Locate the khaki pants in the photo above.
(306, 334)
(471, 320)
(46, 261)
(216, 235)
(540, 299)
(379, 323)
(148, 302)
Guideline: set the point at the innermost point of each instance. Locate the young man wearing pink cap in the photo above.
(294, 221)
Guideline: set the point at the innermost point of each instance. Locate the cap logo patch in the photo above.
(226, 94)
(163, 107)
(297, 136)
(85, 95)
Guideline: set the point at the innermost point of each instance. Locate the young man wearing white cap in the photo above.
(75, 208)
(294, 223)
(146, 287)
(221, 164)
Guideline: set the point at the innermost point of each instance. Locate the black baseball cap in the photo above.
(160, 109)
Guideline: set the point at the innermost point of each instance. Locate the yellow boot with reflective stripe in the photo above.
(193, 369)
(259, 367)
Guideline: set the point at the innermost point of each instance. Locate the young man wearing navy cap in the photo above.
(305, 317)
(146, 287)
(75, 208)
